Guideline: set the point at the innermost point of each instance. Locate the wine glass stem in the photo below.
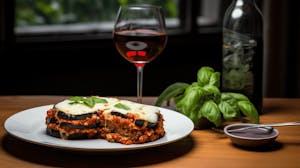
(139, 83)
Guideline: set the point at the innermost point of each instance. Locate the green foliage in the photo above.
(122, 106)
(50, 12)
(210, 111)
(170, 92)
(88, 101)
(189, 103)
(204, 99)
(207, 76)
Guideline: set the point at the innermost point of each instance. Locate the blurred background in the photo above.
(65, 47)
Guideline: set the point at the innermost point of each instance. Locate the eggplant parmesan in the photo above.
(115, 120)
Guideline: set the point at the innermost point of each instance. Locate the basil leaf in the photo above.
(190, 101)
(229, 112)
(73, 102)
(237, 96)
(228, 98)
(210, 110)
(249, 110)
(203, 98)
(225, 96)
(212, 93)
(122, 106)
(99, 100)
(215, 79)
(76, 98)
(178, 98)
(90, 101)
(170, 92)
(203, 75)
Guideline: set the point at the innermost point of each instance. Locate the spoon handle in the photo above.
(282, 124)
(268, 126)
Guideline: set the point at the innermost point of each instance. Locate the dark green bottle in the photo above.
(242, 64)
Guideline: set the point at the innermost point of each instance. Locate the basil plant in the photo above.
(203, 99)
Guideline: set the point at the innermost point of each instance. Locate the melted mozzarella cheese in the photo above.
(142, 111)
(77, 109)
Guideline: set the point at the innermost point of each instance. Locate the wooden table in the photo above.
(203, 148)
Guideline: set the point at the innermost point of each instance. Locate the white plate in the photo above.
(29, 125)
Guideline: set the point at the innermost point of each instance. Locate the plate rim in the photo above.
(189, 128)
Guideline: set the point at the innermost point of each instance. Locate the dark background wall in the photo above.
(282, 48)
(93, 66)
(90, 65)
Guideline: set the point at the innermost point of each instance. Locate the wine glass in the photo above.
(140, 36)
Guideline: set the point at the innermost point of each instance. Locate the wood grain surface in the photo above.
(202, 148)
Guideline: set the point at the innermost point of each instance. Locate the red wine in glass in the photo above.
(140, 36)
(140, 46)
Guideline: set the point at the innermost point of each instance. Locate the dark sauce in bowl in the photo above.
(251, 137)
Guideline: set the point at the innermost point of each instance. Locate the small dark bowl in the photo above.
(255, 137)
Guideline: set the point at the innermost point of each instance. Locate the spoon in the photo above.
(267, 127)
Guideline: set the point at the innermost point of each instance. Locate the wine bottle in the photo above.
(242, 64)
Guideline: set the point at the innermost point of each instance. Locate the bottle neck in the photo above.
(241, 3)
(244, 16)
(245, 5)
